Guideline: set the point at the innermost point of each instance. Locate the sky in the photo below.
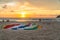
(50, 4)
(37, 8)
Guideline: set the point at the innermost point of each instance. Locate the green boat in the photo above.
(33, 27)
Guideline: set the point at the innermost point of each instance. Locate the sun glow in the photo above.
(23, 14)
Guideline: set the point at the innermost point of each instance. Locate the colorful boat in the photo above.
(23, 26)
(29, 26)
(10, 25)
(14, 28)
(33, 27)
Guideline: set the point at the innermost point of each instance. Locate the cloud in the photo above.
(4, 1)
(50, 4)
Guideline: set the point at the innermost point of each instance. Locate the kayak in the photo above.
(23, 26)
(14, 28)
(10, 25)
(33, 27)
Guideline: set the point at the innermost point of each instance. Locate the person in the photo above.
(40, 20)
(3, 20)
(7, 20)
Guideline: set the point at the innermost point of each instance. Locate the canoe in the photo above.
(23, 26)
(33, 27)
(10, 25)
(14, 28)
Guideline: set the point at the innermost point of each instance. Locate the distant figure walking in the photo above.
(2, 20)
(7, 20)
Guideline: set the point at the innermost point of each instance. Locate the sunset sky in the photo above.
(29, 8)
